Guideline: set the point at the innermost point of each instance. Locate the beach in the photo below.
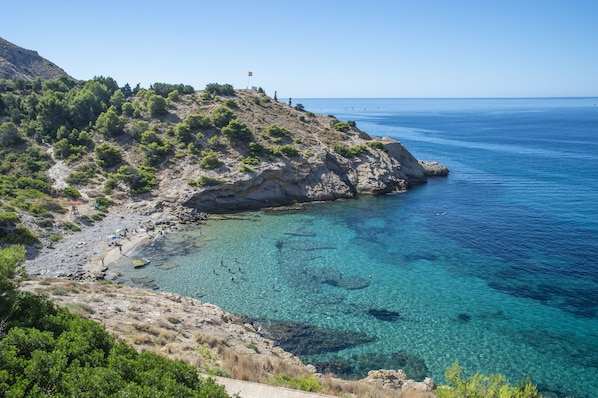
(87, 254)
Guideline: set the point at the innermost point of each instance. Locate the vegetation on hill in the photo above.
(123, 141)
(47, 351)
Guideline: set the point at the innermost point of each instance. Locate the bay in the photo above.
(494, 266)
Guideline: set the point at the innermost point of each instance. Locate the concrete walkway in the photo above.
(246, 389)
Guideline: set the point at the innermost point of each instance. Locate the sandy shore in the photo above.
(84, 253)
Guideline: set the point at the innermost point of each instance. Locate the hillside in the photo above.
(178, 151)
(19, 63)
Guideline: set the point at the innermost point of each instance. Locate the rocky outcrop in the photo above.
(322, 177)
(397, 380)
(19, 63)
(434, 169)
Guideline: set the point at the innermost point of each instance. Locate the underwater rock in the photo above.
(168, 265)
(384, 315)
(145, 282)
(302, 339)
(301, 232)
(329, 275)
(303, 245)
(463, 317)
(354, 282)
(360, 365)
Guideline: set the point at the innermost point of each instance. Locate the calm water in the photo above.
(494, 267)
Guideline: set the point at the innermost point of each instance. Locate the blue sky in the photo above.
(311, 49)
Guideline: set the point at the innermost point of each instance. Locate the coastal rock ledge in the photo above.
(323, 176)
(397, 380)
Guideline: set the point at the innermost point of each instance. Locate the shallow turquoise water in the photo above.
(493, 267)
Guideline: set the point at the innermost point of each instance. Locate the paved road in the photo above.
(247, 389)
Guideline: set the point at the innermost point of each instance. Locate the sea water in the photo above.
(494, 267)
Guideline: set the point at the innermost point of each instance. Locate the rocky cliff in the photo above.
(19, 63)
(322, 177)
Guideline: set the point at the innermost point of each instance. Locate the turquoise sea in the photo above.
(495, 266)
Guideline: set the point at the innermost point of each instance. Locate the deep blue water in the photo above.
(494, 266)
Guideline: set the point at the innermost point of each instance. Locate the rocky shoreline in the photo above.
(76, 267)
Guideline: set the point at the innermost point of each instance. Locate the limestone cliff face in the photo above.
(322, 177)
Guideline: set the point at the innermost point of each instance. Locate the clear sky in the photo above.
(322, 48)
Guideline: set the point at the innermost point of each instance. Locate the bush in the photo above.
(304, 383)
(49, 351)
(210, 161)
(204, 181)
(9, 219)
(350, 152)
(275, 131)
(220, 89)
(71, 227)
(377, 145)
(285, 150)
(71, 193)
(222, 116)
(107, 156)
(139, 180)
(480, 386)
(237, 131)
(342, 126)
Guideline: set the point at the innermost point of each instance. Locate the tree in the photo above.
(11, 274)
(156, 105)
(52, 112)
(9, 135)
(109, 123)
(107, 156)
(222, 115)
(117, 99)
(140, 127)
(220, 89)
(237, 131)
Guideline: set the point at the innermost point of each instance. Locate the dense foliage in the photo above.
(88, 124)
(482, 386)
(47, 351)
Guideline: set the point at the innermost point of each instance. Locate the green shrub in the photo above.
(71, 193)
(139, 180)
(481, 386)
(246, 169)
(350, 152)
(253, 160)
(276, 131)
(342, 126)
(256, 149)
(107, 156)
(55, 237)
(210, 161)
(219, 89)
(236, 131)
(48, 351)
(71, 227)
(9, 219)
(304, 383)
(284, 150)
(377, 145)
(222, 116)
(204, 181)
(22, 236)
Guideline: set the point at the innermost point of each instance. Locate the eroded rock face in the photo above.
(323, 177)
(397, 380)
